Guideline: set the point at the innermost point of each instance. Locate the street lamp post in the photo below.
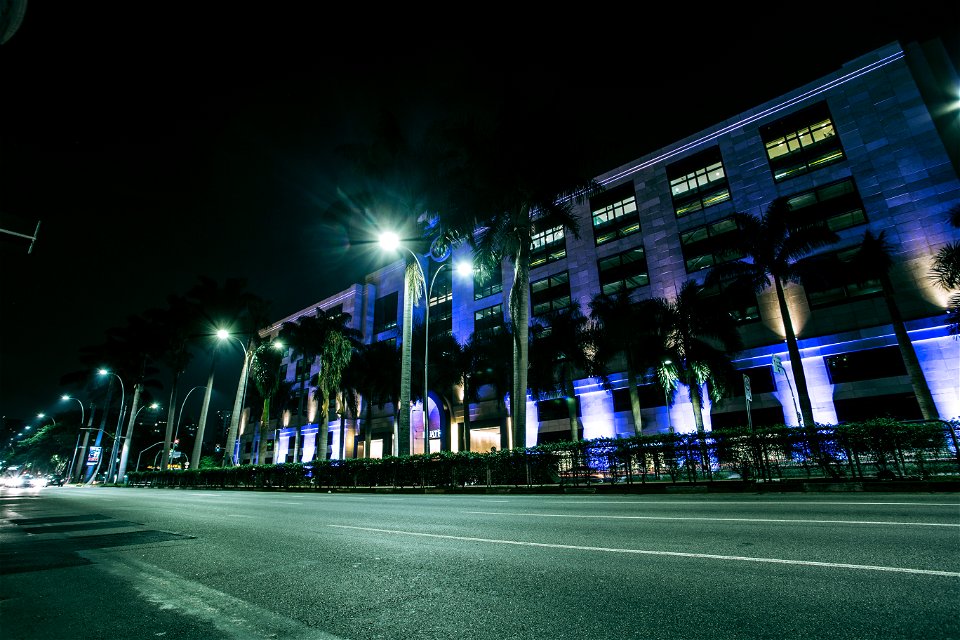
(202, 424)
(76, 448)
(230, 454)
(176, 435)
(390, 242)
(116, 437)
(137, 468)
(125, 454)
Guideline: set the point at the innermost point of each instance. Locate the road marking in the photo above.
(238, 515)
(790, 520)
(675, 554)
(764, 502)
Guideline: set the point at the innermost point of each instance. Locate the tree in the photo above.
(265, 372)
(503, 195)
(336, 342)
(559, 354)
(773, 247)
(255, 316)
(303, 338)
(873, 261)
(701, 339)
(627, 334)
(946, 273)
(375, 368)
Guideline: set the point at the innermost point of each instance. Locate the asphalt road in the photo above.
(91, 563)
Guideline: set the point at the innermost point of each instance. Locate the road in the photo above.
(99, 562)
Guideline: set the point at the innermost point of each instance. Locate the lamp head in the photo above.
(223, 334)
(389, 240)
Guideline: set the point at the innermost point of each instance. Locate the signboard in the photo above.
(778, 365)
(746, 388)
(93, 456)
(434, 434)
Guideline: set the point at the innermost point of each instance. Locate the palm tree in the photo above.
(773, 247)
(335, 342)
(946, 273)
(265, 372)
(503, 197)
(873, 261)
(303, 339)
(254, 317)
(559, 354)
(627, 333)
(701, 340)
(374, 369)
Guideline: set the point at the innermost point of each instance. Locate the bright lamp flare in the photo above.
(223, 334)
(389, 240)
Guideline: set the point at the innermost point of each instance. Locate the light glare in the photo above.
(389, 240)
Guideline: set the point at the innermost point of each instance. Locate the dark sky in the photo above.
(158, 144)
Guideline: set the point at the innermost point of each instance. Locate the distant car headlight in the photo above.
(38, 482)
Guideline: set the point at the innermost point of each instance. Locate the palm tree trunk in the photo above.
(264, 428)
(231, 443)
(171, 418)
(571, 400)
(634, 400)
(924, 398)
(465, 432)
(796, 365)
(201, 425)
(406, 356)
(520, 318)
(125, 453)
(323, 426)
(696, 400)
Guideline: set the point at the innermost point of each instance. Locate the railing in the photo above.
(877, 449)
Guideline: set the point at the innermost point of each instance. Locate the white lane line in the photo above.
(282, 502)
(238, 515)
(676, 554)
(759, 502)
(790, 520)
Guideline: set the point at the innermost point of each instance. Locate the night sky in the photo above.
(158, 144)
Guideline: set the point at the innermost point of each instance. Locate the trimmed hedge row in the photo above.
(880, 448)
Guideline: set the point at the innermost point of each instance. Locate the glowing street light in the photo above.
(123, 407)
(76, 449)
(125, 454)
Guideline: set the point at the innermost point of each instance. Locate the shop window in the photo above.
(899, 406)
(836, 284)
(554, 409)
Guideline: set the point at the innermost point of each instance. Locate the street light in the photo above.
(128, 438)
(176, 435)
(238, 400)
(391, 242)
(116, 437)
(76, 449)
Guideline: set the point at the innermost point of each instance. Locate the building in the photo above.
(872, 146)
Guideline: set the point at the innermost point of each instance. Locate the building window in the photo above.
(550, 294)
(555, 409)
(385, 312)
(869, 364)
(547, 246)
(698, 182)
(838, 204)
(649, 394)
(441, 303)
(615, 214)
(761, 381)
(624, 271)
(801, 142)
(837, 284)
(488, 322)
(737, 298)
(487, 283)
(709, 245)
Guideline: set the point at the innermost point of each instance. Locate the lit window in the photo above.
(698, 182)
(801, 142)
(614, 214)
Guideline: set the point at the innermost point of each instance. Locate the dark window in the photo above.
(761, 417)
(334, 311)
(487, 283)
(489, 321)
(615, 214)
(441, 303)
(900, 406)
(624, 271)
(550, 294)
(650, 395)
(838, 204)
(709, 245)
(554, 409)
(761, 381)
(868, 364)
(738, 298)
(801, 142)
(835, 284)
(698, 182)
(385, 312)
(547, 246)
(248, 446)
